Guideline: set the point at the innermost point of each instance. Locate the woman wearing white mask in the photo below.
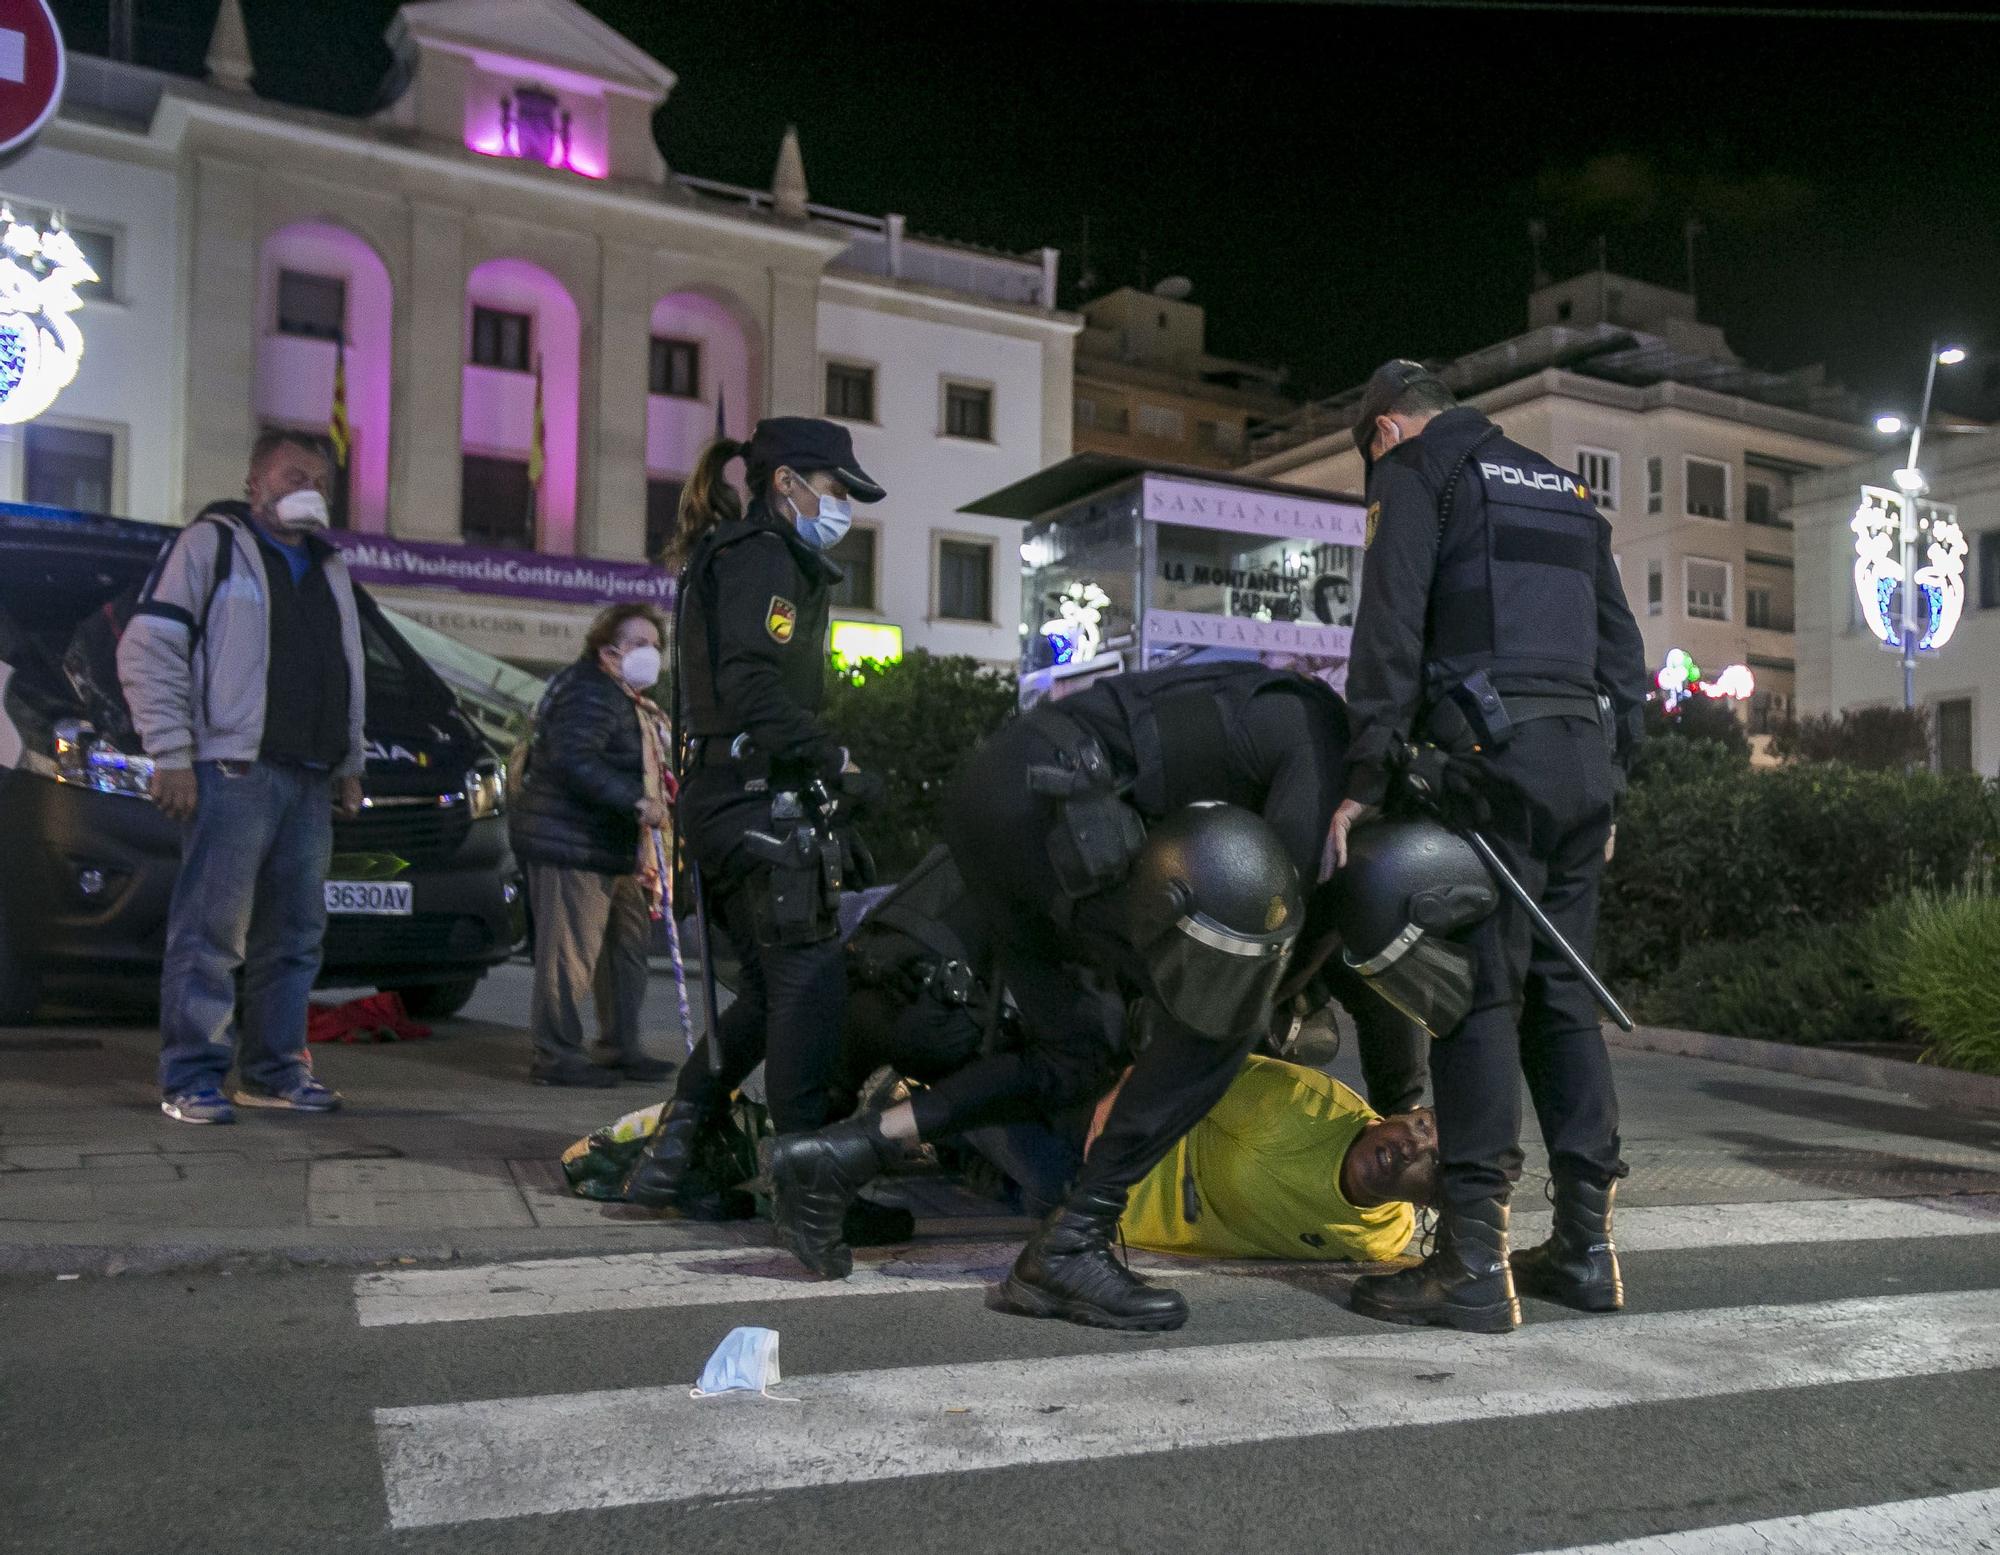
(752, 611)
(587, 827)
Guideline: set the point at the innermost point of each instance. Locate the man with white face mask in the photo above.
(588, 828)
(242, 666)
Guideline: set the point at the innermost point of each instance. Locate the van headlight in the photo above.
(81, 756)
(486, 789)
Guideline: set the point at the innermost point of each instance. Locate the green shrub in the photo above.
(1944, 969)
(1709, 852)
(1883, 739)
(1805, 984)
(914, 722)
(1698, 720)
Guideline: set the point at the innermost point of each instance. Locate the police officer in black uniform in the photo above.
(761, 781)
(1048, 827)
(1493, 626)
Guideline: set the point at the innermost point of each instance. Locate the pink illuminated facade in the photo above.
(504, 234)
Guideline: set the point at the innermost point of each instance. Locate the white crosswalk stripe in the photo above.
(464, 1462)
(632, 1281)
(1967, 1524)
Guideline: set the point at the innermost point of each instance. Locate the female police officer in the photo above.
(751, 639)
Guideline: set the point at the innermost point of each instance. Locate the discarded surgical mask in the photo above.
(745, 1362)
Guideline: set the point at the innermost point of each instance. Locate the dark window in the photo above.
(1565, 308)
(101, 249)
(312, 305)
(501, 339)
(1989, 570)
(1656, 484)
(496, 502)
(663, 512)
(856, 557)
(1760, 505)
(69, 469)
(965, 580)
(676, 368)
(1707, 489)
(850, 392)
(968, 412)
(1954, 735)
(1757, 608)
(1655, 589)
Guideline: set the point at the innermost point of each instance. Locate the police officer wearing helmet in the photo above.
(1147, 839)
(759, 770)
(1493, 626)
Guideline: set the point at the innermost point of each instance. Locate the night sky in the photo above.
(1341, 183)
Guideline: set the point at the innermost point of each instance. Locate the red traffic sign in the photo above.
(31, 70)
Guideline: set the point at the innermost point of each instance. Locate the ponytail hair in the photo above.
(706, 500)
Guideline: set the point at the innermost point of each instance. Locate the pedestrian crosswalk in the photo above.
(477, 1460)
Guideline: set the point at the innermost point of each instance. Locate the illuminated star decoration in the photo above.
(40, 344)
(1076, 633)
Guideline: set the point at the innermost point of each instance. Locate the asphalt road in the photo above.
(545, 1407)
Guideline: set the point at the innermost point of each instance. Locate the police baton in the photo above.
(1546, 930)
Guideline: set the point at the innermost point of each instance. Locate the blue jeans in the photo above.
(250, 896)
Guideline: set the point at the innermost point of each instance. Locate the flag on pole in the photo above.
(338, 432)
(721, 421)
(537, 449)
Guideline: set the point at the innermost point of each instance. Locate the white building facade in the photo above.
(1844, 666)
(539, 326)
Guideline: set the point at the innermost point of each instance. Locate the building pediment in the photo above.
(552, 34)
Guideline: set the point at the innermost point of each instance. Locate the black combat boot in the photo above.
(815, 1179)
(659, 1177)
(1465, 1283)
(1578, 1264)
(1067, 1271)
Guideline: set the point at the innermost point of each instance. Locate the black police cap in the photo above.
(1387, 384)
(806, 444)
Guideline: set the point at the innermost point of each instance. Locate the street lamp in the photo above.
(1911, 483)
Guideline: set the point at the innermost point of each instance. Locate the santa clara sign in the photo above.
(31, 71)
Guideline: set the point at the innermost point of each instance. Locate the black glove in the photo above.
(861, 792)
(858, 861)
(1453, 786)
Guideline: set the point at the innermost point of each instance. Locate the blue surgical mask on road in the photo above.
(745, 1362)
(825, 526)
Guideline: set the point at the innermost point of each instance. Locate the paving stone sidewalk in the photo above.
(444, 1150)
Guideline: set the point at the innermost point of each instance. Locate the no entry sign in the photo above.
(31, 70)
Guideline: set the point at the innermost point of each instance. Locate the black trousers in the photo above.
(1531, 1013)
(1068, 980)
(787, 1014)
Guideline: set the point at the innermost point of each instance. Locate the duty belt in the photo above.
(1526, 707)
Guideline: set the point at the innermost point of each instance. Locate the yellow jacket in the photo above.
(1263, 1173)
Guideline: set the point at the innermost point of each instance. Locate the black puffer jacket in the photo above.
(586, 772)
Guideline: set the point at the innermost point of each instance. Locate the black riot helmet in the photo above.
(1407, 885)
(1212, 907)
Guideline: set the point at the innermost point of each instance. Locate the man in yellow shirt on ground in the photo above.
(1289, 1164)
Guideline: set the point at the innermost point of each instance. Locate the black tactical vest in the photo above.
(1515, 592)
(701, 606)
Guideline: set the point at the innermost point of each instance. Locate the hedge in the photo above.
(914, 722)
(1709, 851)
(1943, 968)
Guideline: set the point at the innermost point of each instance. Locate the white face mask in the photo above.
(302, 510)
(824, 527)
(639, 667)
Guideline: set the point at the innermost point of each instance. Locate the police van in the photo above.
(423, 897)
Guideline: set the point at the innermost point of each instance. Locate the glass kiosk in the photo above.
(1129, 565)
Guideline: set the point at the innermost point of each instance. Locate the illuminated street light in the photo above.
(1951, 356)
(1910, 480)
(1888, 426)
